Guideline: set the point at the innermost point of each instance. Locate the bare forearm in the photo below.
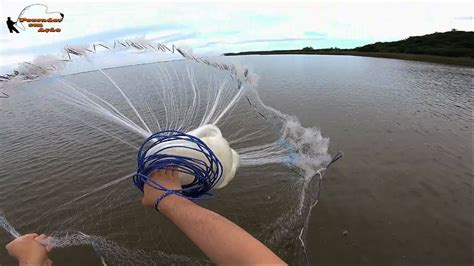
(221, 240)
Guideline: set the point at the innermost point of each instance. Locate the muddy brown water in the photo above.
(402, 194)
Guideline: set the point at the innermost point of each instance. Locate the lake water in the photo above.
(401, 194)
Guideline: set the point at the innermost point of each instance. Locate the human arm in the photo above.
(221, 240)
(29, 251)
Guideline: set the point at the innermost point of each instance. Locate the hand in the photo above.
(167, 178)
(29, 251)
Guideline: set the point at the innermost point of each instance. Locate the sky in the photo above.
(216, 27)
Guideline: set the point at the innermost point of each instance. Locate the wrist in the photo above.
(171, 203)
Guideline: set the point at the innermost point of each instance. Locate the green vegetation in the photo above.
(453, 47)
(451, 43)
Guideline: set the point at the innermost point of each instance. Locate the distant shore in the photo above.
(461, 61)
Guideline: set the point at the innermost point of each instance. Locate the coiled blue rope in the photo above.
(207, 172)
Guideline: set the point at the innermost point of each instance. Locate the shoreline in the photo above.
(459, 61)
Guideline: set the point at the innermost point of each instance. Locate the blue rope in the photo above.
(207, 172)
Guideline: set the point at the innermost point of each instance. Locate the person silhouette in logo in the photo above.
(11, 26)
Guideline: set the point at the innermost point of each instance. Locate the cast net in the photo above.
(68, 167)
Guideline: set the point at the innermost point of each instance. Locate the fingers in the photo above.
(146, 202)
(162, 173)
(41, 237)
(8, 247)
(48, 248)
(167, 178)
(169, 172)
(157, 174)
(14, 246)
(26, 237)
(29, 236)
(174, 172)
(44, 240)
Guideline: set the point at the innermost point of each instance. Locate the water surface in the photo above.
(402, 192)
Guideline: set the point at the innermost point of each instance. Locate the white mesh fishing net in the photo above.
(92, 110)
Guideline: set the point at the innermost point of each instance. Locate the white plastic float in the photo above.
(212, 137)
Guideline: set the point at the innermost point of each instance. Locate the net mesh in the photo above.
(82, 131)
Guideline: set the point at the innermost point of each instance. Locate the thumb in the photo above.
(146, 202)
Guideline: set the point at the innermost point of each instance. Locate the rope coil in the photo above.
(206, 173)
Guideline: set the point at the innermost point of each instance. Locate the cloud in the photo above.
(258, 41)
(465, 18)
(224, 27)
(278, 40)
(315, 34)
(98, 37)
(179, 37)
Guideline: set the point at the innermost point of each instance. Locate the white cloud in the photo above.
(232, 26)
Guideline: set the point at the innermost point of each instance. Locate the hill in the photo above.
(451, 44)
(452, 47)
